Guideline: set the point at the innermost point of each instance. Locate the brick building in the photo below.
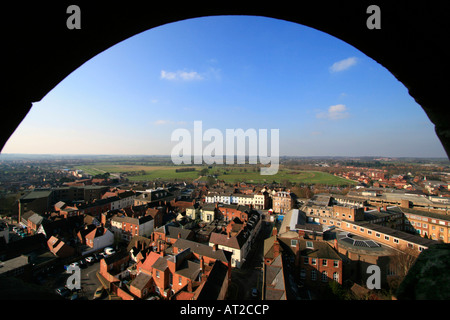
(427, 224)
(127, 227)
(316, 261)
(282, 202)
(230, 211)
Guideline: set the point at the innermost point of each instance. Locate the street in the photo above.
(89, 280)
(250, 275)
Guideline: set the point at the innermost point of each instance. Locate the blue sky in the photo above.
(326, 97)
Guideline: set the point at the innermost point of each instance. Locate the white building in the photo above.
(123, 200)
(239, 245)
(99, 238)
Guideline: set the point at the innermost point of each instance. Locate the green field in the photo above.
(230, 174)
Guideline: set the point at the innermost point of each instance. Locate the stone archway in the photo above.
(41, 51)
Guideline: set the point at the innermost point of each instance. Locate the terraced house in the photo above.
(127, 227)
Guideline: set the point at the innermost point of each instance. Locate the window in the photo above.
(180, 280)
(395, 240)
(324, 276)
(309, 245)
(369, 231)
(377, 235)
(157, 274)
(324, 262)
(335, 263)
(336, 276)
(386, 238)
(302, 274)
(293, 243)
(313, 275)
(313, 261)
(305, 260)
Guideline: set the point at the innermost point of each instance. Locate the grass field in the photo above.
(227, 173)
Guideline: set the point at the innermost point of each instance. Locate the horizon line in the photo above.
(168, 155)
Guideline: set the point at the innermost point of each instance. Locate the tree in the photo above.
(210, 181)
(400, 263)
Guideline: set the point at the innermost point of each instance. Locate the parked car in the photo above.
(90, 259)
(82, 263)
(63, 292)
(99, 292)
(75, 264)
(74, 296)
(109, 251)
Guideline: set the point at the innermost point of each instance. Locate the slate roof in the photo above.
(203, 249)
(213, 284)
(274, 280)
(189, 269)
(172, 232)
(160, 264)
(36, 219)
(141, 281)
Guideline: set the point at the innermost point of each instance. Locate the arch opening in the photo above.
(403, 45)
(329, 112)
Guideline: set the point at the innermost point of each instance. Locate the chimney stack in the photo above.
(276, 249)
(202, 263)
(336, 246)
(274, 231)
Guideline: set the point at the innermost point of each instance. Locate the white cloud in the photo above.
(181, 75)
(343, 64)
(335, 112)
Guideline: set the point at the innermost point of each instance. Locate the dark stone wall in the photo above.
(429, 277)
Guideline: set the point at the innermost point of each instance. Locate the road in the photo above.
(250, 275)
(88, 277)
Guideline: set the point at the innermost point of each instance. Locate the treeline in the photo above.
(364, 164)
(184, 169)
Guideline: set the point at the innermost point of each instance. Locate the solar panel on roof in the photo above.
(372, 244)
(360, 243)
(348, 240)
